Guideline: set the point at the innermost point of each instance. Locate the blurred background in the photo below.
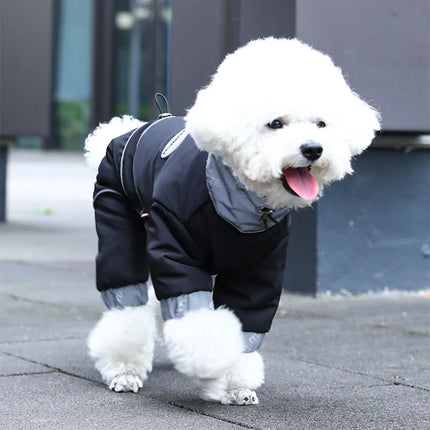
(67, 65)
(63, 59)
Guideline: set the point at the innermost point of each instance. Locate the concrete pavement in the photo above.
(335, 362)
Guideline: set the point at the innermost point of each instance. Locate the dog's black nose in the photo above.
(311, 150)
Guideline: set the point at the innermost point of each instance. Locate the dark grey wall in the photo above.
(251, 19)
(196, 48)
(300, 275)
(25, 67)
(383, 48)
(203, 32)
(374, 227)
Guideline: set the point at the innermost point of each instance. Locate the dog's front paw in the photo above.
(125, 383)
(242, 397)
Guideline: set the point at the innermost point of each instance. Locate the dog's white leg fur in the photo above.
(207, 346)
(204, 343)
(243, 378)
(237, 385)
(122, 345)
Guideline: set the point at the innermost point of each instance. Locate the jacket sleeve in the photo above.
(253, 292)
(176, 262)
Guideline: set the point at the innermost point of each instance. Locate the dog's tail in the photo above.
(97, 142)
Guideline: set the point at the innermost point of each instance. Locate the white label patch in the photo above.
(173, 143)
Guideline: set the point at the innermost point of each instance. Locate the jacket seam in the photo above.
(106, 190)
(121, 166)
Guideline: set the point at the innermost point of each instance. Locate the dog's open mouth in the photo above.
(299, 182)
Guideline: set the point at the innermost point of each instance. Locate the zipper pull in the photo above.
(266, 214)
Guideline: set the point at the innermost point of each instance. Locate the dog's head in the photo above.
(281, 115)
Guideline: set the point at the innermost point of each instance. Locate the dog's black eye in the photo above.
(275, 124)
(321, 124)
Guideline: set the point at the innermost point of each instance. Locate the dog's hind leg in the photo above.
(122, 346)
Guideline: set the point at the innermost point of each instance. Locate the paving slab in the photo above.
(58, 401)
(60, 284)
(27, 317)
(324, 333)
(13, 366)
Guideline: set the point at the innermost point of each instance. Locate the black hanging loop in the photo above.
(166, 105)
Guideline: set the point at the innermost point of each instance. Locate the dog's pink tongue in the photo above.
(302, 182)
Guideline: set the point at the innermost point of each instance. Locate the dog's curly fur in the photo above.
(267, 80)
(280, 79)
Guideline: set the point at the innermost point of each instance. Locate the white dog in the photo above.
(202, 203)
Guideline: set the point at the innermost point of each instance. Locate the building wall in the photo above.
(203, 32)
(383, 48)
(196, 48)
(25, 67)
(373, 227)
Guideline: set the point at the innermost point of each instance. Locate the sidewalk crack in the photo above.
(197, 411)
(35, 302)
(51, 368)
(28, 373)
(47, 339)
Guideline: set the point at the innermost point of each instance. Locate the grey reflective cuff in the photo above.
(252, 341)
(177, 307)
(131, 295)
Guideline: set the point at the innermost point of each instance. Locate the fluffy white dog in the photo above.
(203, 202)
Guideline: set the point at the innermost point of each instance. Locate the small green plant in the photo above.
(72, 119)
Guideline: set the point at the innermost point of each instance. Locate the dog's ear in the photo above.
(208, 122)
(364, 122)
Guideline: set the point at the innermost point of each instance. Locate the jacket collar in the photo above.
(235, 203)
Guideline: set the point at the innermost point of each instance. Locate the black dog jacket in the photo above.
(164, 206)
